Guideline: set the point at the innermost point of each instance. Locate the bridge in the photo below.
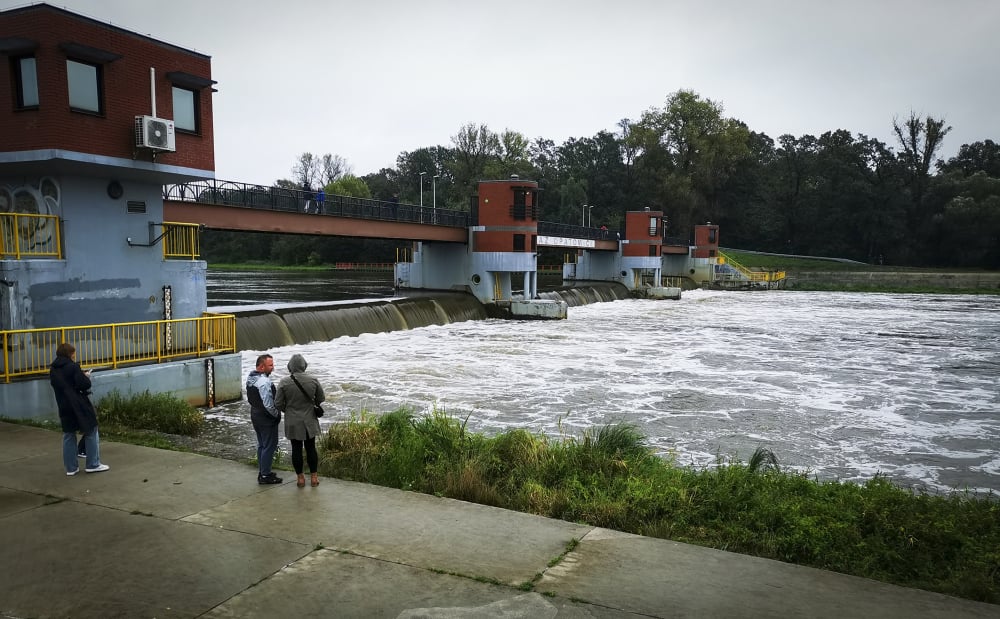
(484, 250)
(228, 205)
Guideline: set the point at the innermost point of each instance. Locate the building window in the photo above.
(25, 82)
(185, 109)
(518, 242)
(84, 86)
(520, 204)
(711, 235)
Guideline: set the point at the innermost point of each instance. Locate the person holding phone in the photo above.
(71, 386)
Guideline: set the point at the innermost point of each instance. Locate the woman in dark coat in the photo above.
(72, 388)
(301, 425)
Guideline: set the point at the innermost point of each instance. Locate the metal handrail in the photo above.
(30, 235)
(753, 276)
(229, 193)
(181, 240)
(28, 352)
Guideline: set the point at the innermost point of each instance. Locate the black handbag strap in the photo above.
(299, 385)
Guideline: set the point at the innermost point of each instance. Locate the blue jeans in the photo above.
(267, 444)
(91, 441)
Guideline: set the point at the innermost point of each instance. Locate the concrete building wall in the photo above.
(33, 399)
(101, 279)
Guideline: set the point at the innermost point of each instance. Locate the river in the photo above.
(840, 386)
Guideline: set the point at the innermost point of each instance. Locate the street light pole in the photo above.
(422, 188)
(583, 215)
(590, 219)
(434, 192)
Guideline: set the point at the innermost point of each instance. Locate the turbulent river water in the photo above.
(839, 385)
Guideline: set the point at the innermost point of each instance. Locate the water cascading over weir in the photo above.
(266, 327)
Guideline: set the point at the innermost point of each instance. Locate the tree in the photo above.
(920, 139)
(314, 171)
(349, 185)
(474, 146)
(977, 157)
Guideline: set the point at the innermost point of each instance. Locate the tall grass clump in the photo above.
(609, 477)
(160, 412)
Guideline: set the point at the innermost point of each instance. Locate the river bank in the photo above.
(974, 282)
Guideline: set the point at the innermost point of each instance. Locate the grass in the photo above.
(159, 412)
(608, 477)
(802, 265)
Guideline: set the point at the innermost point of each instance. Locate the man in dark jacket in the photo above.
(71, 386)
(264, 416)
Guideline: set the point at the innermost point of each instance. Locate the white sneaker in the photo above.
(99, 468)
(72, 473)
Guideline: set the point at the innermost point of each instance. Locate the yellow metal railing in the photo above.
(181, 240)
(25, 235)
(28, 352)
(753, 276)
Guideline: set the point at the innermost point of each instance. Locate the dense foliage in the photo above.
(608, 477)
(160, 412)
(837, 194)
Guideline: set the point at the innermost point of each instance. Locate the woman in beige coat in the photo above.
(301, 425)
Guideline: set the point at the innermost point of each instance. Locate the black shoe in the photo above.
(269, 479)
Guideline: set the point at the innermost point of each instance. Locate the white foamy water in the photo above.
(840, 385)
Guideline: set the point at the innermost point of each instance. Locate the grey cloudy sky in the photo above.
(368, 79)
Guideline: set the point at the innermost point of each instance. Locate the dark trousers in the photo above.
(311, 455)
(267, 445)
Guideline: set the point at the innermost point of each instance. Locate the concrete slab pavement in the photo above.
(170, 534)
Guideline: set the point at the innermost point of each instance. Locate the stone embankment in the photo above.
(985, 280)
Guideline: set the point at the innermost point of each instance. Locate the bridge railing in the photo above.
(229, 193)
(28, 352)
(550, 228)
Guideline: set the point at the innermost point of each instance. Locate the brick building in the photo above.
(94, 120)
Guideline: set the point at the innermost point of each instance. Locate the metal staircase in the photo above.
(730, 274)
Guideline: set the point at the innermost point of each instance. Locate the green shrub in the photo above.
(160, 412)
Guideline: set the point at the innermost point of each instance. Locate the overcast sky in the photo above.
(368, 79)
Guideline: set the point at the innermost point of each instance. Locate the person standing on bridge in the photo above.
(298, 395)
(320, 201)
(264, 416)
(71, 386)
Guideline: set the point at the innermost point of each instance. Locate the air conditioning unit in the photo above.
(154, 133)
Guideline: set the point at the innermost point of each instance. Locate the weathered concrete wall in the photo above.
(102, 279)
(33, 399)
(986, 280)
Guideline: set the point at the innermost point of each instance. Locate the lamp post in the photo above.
(422, 188)
(590, 219)
(434, 192)
(583, 215)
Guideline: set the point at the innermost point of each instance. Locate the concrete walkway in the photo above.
(169, 534)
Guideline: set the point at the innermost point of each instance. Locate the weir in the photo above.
(264, 328)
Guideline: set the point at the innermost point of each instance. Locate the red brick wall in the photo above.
(637, 233)
(706, 240)
(495, 202)
(125, 87)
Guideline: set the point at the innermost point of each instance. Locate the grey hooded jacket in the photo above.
(300, 422)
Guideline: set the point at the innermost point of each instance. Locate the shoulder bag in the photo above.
(317, 408)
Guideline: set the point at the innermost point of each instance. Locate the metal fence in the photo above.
(28, 352)
(29, 236)
(228, 193)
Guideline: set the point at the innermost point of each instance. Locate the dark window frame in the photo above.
(17, 75)
(196, 109)
(519, 242)
(99, 78)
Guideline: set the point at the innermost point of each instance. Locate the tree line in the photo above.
(838, 194)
